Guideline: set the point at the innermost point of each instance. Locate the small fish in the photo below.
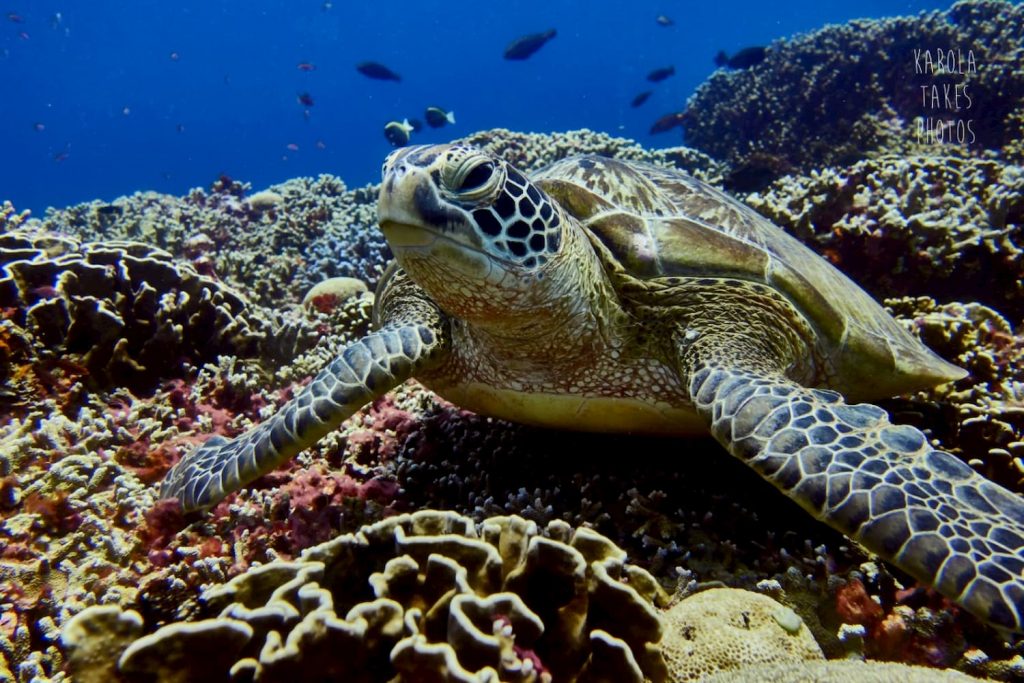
(661, 74)
(39, 126)
(63, 154)
(305, 66)
(641, 98)
(320, 144)
(305, 99)
(664, 21)
(398, 133)
(438, 118)
(292, 147)
(180, 128)
(175, 56)
(377, 71)
(15, 18)
(744, 59)
(524, 46)
(668, 122)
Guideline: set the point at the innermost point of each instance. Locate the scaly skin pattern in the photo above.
(881, 484)
(366, 369)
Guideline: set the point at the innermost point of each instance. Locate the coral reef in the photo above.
(532, 151)
(426, 596)
(275, 244)
(850, 91)
(116, 313)
(943, 227)
(79, 526)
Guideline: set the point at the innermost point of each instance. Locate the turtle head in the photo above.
(470, 229)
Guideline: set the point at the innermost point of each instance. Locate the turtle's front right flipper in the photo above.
(365, 370)
(881, 484)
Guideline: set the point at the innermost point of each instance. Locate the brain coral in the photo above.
(853, 90)
(724, 629)
(841, 671)
(127, 310)
(428, 596)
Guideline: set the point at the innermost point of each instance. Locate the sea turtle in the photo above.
(610, 295)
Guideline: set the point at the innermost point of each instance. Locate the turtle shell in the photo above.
(649, 222)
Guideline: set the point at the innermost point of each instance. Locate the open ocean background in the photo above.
(104, 98)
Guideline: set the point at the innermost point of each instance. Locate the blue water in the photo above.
(103, 98)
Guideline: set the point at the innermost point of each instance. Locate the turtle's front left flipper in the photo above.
(365, 370)
(881, 484)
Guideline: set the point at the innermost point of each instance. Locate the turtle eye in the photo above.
(477, 177)
(473, 178)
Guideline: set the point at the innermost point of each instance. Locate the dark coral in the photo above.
(850, 91)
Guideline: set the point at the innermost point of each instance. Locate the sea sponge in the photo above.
(724, 629)
(428, 596)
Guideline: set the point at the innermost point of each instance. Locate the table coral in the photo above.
(848, 91)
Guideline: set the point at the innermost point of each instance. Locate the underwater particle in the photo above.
(292, 147)
(658, 75)
(641, 98)
(126, 110)
(305, 66)
(438, 118)
(744, 59)
(524, 46)
(39, 126)
(398, 133)
(662, 20)
(305, 99)
(320, 144)
(15, 18)
(174, 56)
(377, 71)
(668, 122)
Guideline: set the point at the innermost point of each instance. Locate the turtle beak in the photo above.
(396, 207)
(410, 209)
